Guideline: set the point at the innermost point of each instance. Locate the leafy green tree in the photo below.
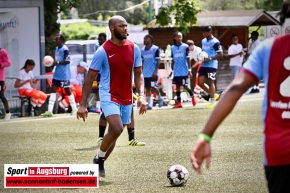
(77, 32)
(93, 9)
(51, 10)
(268, 5)
(184, 13)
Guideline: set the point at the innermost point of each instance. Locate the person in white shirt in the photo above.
(76, 81)
(25, 83)
(236, 55)
(195, 64)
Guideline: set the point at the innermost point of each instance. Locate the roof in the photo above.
(229, 18)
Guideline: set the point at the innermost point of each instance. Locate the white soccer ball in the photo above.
(47, 61)
(201, 56)
(177, 175)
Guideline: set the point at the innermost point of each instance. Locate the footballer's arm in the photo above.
(87, 87)
(139, 83)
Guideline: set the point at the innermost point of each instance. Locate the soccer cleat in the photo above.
(135, 142)
(177, 105)
(160, 102)
(193, 101)
(73, 112)
(210, 106)
(7, 117)
(216, 97)
(47, 114)
(100, 161)
(99, 141)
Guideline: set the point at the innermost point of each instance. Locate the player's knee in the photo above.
(2, 97)
(116, 130)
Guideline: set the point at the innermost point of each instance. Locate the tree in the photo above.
(184, 13)
(268, 5)
(93, 9)
(51, 10)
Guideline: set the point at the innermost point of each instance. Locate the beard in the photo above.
(118, 35)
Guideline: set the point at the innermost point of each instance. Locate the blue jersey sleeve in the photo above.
(98, 59)
(187, 52)
(137, 56)
(66, 55)
(217, 47)
(258, 61)
(157, 53)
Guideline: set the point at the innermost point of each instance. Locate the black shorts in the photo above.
(278, 178)
(207, 72)
(98, 78)
(61, 83)
(180, 80)
(150, 83)
(2, 86)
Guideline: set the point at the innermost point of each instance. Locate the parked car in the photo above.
(81, 50)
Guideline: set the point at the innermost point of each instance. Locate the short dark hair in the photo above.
(61, 37)
(190, 42)
(234, 36)
(207, 29)
(255, 33)
(149, 36)
(102, 35)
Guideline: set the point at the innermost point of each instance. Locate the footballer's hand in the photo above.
(141, 104)
(201, 151)
(82, 113)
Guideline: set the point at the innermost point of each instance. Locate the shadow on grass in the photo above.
(104, 183)
(87, 148)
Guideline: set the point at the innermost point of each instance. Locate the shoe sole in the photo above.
(102, 175)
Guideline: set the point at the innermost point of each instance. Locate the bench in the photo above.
(23, 100)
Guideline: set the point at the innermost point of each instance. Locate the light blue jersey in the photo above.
(62, 71)
(180, 54)
(211, 47)
(150, 57)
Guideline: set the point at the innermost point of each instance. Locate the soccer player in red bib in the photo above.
(116, 59)
(270, 61)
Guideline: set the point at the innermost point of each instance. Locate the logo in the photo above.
(51, 176)
(110, 56)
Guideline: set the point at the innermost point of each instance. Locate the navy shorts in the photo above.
(2, 86)
(150, 83)
(207, 72)
(278, 178)
(61, 83)
(180, 80)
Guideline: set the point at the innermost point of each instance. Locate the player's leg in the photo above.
(155, 89)
(178, 83)
(131, 133)
(4, 101)
(71, 98)
(147, 84)
(113, 112)
(189, 90)
(102, 128)
(201, 82)
(211, 78)
(52, 98)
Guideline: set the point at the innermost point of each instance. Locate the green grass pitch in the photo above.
(169, 135)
